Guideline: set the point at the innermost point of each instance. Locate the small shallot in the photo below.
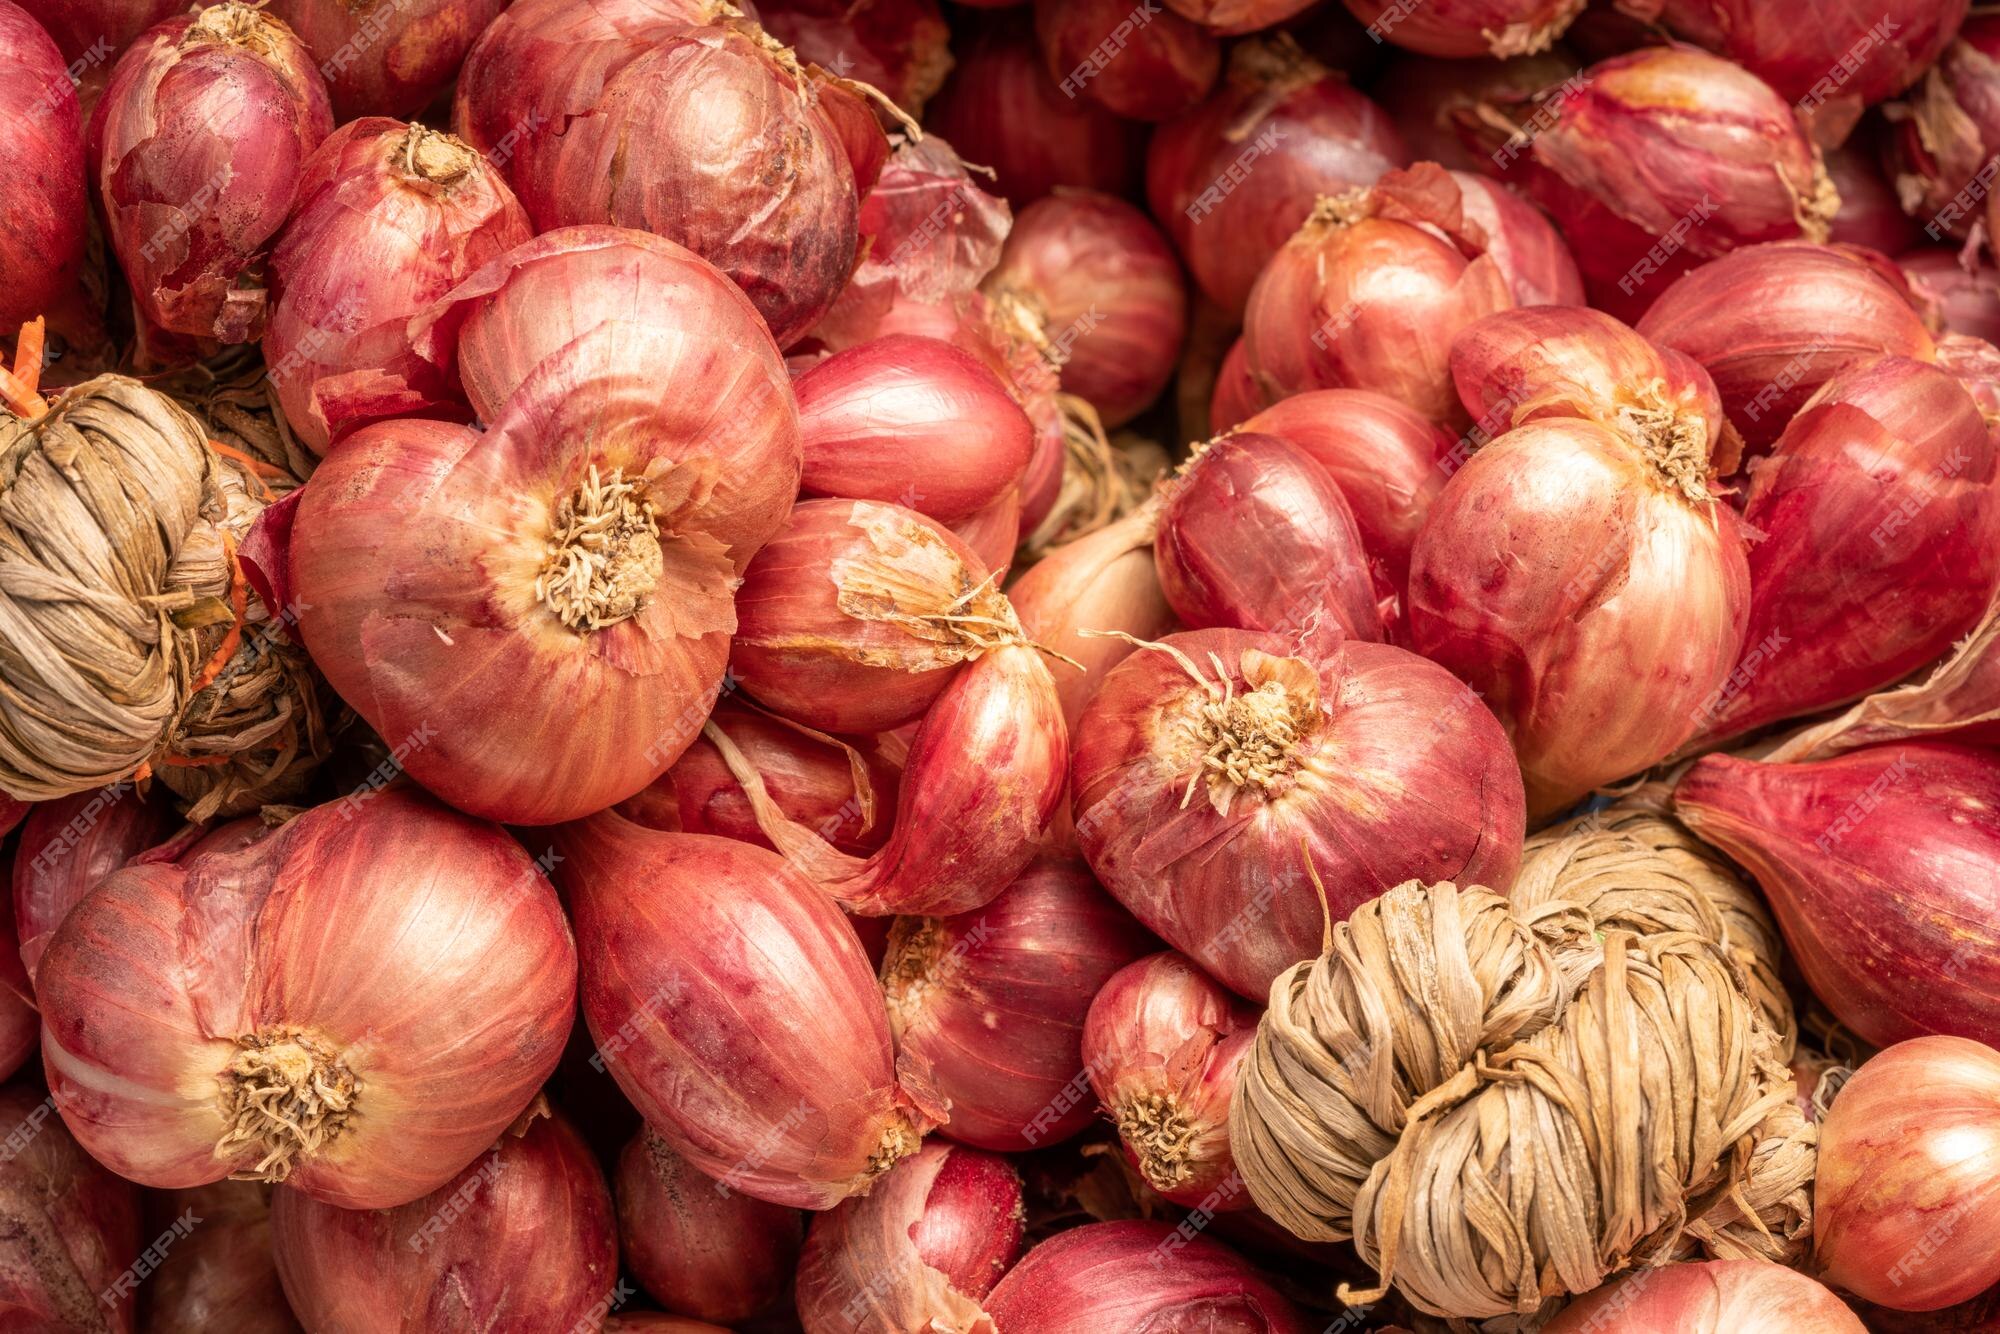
(697, 1246)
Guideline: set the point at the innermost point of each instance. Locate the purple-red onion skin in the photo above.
(98, 31)
(699, 1248)
(20, 1022)
(1883, 869)
(223, 1275)
(196, 151)
(1102, 1276)
(1709, 1297)
(71, 1230)
(1526, 247)
(1462, 29)
(1228, 887)
(387, 63)
(901, 47)
(1429, 96)
(519, 1242)
(1945, 131)
(1146, 66)
(1238, 396)
(1870, 213)
(41, 138)
(68, 845)
(1233, 18)
(1909, 1177)
(1965, 299)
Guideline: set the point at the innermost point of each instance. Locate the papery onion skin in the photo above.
(1966, 300)
(1465, 28)
(1427, 97)
(902, 48)
(919, 1251)
(698, 1247)
(1529, 251)
(1144, 64)
(70, 844)
(1102, 1276)
(1709, 1297)
(387, 62)
(992, 1002)
(1233, 179)
(41, 247)
(1372, 727)
(1771, 324)
(1001, 109)
(72, 1227)
(383, 944)
(1945, 132)
(417, 212)
(223, 1274)
(196, 151)
(1909, 1176)
(911, 421)
(1162, 1043)
(733, 1004)
(1256, 535)
(1880, 866)
(1560, 572)
(1107, 291)
(522, 1240)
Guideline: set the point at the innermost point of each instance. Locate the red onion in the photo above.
(1530, 253)
(1213, 774)
(990, 1003)
(72, 1228)
(919, 1251)
(732, 1003)
(197, 149)
(1945, 134)
(698, 1247)
(1237, 395)
(387, 61)
(1644, 192)
(1909, 1176)
(1870, 213)
(12, 812)
(1430, 99)
(357, 1005)
(97, 31)
(1255, 535)
(1371, 292)
(901, 47)
(911, 421)
(521, 1240)
(221, 1275)
(1880, 865)
(1144, 64)
(1463, 28)
(1231, 18)
(41, 248)
(450, 584)
(1105, 289)
(1001, 109)
(648, 1322)
(1964, 294)
(20, 1022)
(994, 532)
(1774, 323)
(389, 218)
(1139, 1276)
(1879, 510)
(1233, 179)
(1162, 1044)
(70, 844)
(1714, 1297)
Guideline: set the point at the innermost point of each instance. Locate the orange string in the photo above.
(18, 386)
(239, 605)
(258, 468)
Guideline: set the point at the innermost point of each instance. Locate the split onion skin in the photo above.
(1710, 1297)
(699, 1248)
(41, 135)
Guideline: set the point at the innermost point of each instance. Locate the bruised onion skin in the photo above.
(1881, 866)
(911, 421)
(416, 211)
(1461, 29)
(1880, 514)
(1302, 574)
(1102, 1276)
(71, 1227)
(1233, 179)
(1524, 244)
(41, 136)
(698, 1247)
(1369, 761)
(70, 844)
(917, 1252)
(1773, 323)
(408, 957)
(223, 1275)
(733, 1004)
(1163, 1043)
(1145, 64)
(521, 1241)
(387, 60)
(990, 1003)
(901, 47)
(197, 149)
(1709, 1297)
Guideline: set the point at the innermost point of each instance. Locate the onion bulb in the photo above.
(901, 47)
(1711, 1297)
(387, 62)
(20, 1023)
(222, 1273)
(698, 1247)
(1964, 293)
(1139, 1276)
(1946, 131)
(1143, 64)
(73, 1228)
(70, 844)
(41, 136)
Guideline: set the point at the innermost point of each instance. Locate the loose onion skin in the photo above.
(196, 151)
(1965, 299)
(1944, 133)
(72, 1227)
(1102, 1276)
(699, 1248)
(733, 1004)
(901, 47)
(917, 1252)
(1773, 323)
(1909, 1176)
(70, 844)
(1880, 865)
(223, 1275)
(391, 63)
(1233, 179)
(1325, 748)
(522, 1240)
(1162, 1043)
(1105, 287)
(1303, 577)
(990, 1003)
(411, 960)
(1465, 28)
(41, 249)
(1712, 1297)
(418, 212)
(911, 421)
(1142, 66)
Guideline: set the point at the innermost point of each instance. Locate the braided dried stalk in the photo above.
(1506, 1100)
